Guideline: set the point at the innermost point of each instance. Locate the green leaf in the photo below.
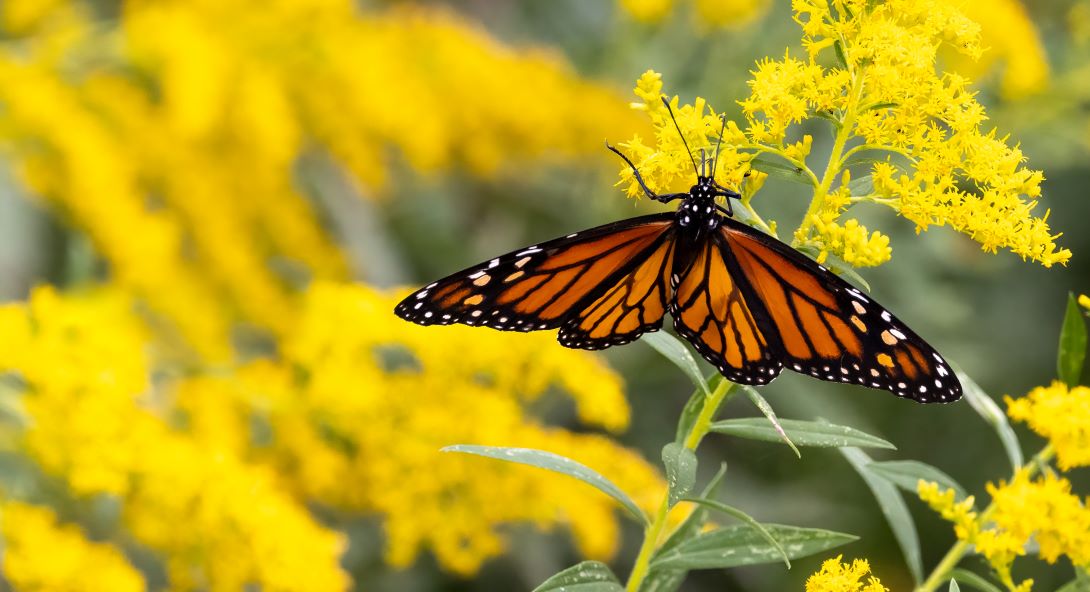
(971, 579)
(1072, 354)
(776, 166)
(907, 473)
(986, 408)
(740, 515)
(954, 586)
(877, 106)
(669, 580)
(841, 57)
(765, 408)
(557, 464)
(868, 156)
(803, 433)
(588, 576)
(675, 351)
(893, 507)
(861, 186)
(680, 464)
(739, 544)
(693, 407)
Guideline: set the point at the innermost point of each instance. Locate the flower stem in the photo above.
(654, 531)
(955, 554)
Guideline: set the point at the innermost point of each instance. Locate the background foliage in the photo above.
(207, 208)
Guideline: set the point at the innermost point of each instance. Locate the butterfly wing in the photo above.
(712, 311)
(825, 327)
(542, 286)
(633, 303)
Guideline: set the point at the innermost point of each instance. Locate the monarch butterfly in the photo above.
(750, 304)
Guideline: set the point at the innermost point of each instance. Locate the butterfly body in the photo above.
(748, 303)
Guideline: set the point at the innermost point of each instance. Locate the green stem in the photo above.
(940, 574)
(843, 133)
(654, 531)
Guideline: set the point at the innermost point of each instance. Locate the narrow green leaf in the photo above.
(803, 433)
(676, 351)
(588, 576)
(692, 525)
(893, 507)
(1072, 353)
(906, 474)
(693, 407)
(765, 408)
(557, 464)
(971, 579)
(776, 166)
(740, 515)
(841, 57)
(868, 156)
(680, 464)
(739, 544)
(861, 186)
(877, 106)
(669, 580)
(954, 586)
(986, 408)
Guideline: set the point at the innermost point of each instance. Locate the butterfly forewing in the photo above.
(827, 328)
(541, 286)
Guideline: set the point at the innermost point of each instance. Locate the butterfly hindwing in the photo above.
(715, 315)
(541, 286)
(632, 304)
(827, 328)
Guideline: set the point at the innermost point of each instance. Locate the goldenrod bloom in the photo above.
(842, 577)
(708, 13)
(883, 97)
(1060, 414)
(42, 554)
(1011, 41)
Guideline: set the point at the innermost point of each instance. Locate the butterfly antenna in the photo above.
(718, 143)
(678, 127)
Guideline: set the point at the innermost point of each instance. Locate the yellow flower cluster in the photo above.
(707, 13)
(842, 577)
(352, 417)
(883, 96)
(1009, 37)
(1043, 509)
(174, 135)
(97, 422)
(41, 554)
(1060, 414)
(363, 398)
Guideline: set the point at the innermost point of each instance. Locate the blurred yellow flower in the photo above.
(1060, 414)
(885, 97)
(1084, 301)
(842, 577)
(706, 13)
(176, 136)
(1010, 38)
(96, 422)
(42, 554)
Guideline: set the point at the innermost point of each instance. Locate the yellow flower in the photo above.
(1010, 37)
(42, 554)
(1046, 510)
(1060, 414)
(842, 577)
(219, 522)
(136, 128)
(1084, 301)
(885, 97)
(708, 13)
